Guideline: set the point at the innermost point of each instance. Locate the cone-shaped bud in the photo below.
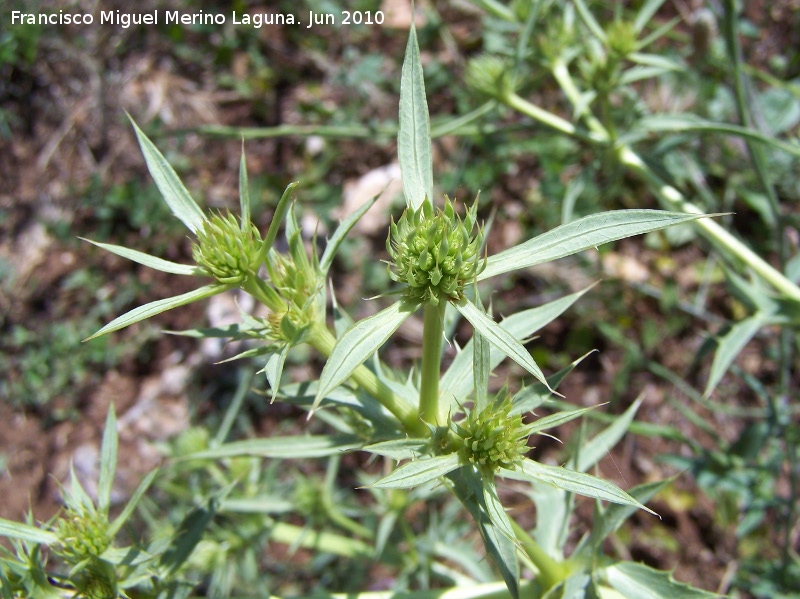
(491, 76)
(225, 250)
(492, 438)
(435, 254)
(81, 536)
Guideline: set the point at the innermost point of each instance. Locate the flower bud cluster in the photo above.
(82, 537)
(435, 255)
(492, 438)
(297, 283)
(225, 251)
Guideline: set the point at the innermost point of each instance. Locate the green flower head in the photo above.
(81, 536)
(227, 251)
(491, 438)
(435, 254)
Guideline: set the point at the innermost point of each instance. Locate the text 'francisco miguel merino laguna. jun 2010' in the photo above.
(176, 17)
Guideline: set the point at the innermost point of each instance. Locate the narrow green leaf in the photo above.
(414, 136)
(584, 233)
(189, 533)
(244, 191)
(257, 505)
(572, 481)
(496, 512)
(277, 219)
(398, 449)
(532, 396)
(646, 13)
(614, 516)
(458, 380)
(588, 18)
(130, 506)
(634, 74)
(298, 447)
(643, 582)
(598, 446)
(468, 487)
(274, 369)
(501, 339)
(415, 473)
(481, 365)
(557, 419)
(657, 61)
(359, 342)
(108, 461)
(341, 232)
(341, 319)
(729, 347)
(25, 532)
(157, 307)
(169, 184)
(148, 260)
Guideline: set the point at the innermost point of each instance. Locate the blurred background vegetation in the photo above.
(319, 106)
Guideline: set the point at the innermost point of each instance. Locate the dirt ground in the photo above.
(66, 115)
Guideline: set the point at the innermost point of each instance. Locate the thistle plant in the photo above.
(445, 430)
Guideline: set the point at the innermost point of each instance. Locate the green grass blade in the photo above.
(414, 136)
(157, 307)
(108, 461)
(148, 260)
(582, 234)
(419, 472)
(169, 184)
(500, 338)
(357, 344)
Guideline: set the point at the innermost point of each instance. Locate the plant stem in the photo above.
(323, 541)
(667, 194)
(432, 332)
(551, 572)
(722, 239)
(552, 120)
(321, 339)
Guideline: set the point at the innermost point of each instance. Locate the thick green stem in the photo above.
(722, 239)
(668, 195)
(432, 332)
(551, 572)
(321, 339)
(552, 120)
(562, 76)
